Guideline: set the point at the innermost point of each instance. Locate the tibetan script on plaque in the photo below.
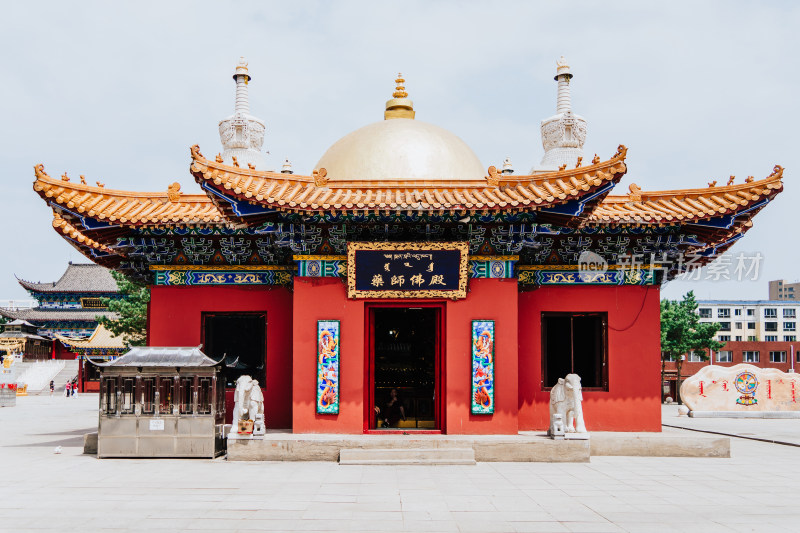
(407, 270)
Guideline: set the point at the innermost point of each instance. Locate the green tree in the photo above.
(131, 309)
(682, 332)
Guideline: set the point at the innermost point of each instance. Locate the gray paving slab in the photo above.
(753, 490)
(778, 430)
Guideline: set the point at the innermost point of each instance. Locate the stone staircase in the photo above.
(407, 456)
(68, 373)
(36, 375)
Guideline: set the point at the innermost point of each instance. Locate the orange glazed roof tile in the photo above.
(70, 231)
(292, 192)
(687, 205)
(128, 208)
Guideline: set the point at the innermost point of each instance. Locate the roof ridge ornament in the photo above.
(174, 192)
(400, 106)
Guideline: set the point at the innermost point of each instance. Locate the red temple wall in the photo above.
(632, 402)
(490, 299)
(174, 319)
(326, 299)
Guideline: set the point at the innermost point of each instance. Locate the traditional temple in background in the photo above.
(100, 346)
(22, 338)
(70, 305)
(402, 262)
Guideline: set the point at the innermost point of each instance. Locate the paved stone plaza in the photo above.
(755, 490)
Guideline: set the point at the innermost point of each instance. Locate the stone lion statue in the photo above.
(565, 400)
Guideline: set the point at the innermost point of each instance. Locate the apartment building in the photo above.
(780, 289)
(758, 332)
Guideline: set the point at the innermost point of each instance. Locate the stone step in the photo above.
(407, 456)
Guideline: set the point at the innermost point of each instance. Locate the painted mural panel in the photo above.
(482, 367)
(328, 367)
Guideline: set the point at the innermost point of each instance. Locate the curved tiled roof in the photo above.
(49, 315)
(124, 207)
(688, 205)
(79, 277)
(290, 192)
(100, 338)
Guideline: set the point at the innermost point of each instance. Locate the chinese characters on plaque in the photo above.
(407, 270)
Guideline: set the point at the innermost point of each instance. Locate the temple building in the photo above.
(69, 306)
(100, 347)
(403, 285)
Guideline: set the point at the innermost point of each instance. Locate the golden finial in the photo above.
(400, 90)
(400, 106)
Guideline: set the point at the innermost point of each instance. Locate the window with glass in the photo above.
(789, 338)
(128, 400)
(738, 338)
(724, 326)
(750, 357)
(739, 325)
(724, 356)
(148, 395)
(771, 338)
(789, 326)
(575, 343)
(694, 357)
(109, 399)
(770, 312)
(751, 325)
(770, 326)
(789, 313)
(752, 338)
(723, 313)
(239, 338)
(186, 390)
(705, 312)
(737, 312)
(751, 312)
(724, 338)
(777, 357)
(166, 396)
(204, 398)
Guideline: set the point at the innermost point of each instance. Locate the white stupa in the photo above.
(241, 134)
(564, 133)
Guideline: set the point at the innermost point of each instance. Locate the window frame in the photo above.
(729, 357)
(723, 312)
(705, 312)
(603, 345)
(772, 354)
(757, 358)
(770, 312)
(789, 312)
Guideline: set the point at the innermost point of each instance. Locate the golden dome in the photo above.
(401, 149)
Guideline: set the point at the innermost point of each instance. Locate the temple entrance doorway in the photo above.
(405, 368)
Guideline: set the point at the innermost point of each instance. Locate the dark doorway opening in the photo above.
(405, 357)
(241, 338)
(575, 343)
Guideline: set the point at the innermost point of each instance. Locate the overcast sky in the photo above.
(119, 91)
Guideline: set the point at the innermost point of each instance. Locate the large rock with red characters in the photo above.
(741, 390)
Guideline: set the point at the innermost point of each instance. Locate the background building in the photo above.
(70, 305)
(759, 332)
(782, 290)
